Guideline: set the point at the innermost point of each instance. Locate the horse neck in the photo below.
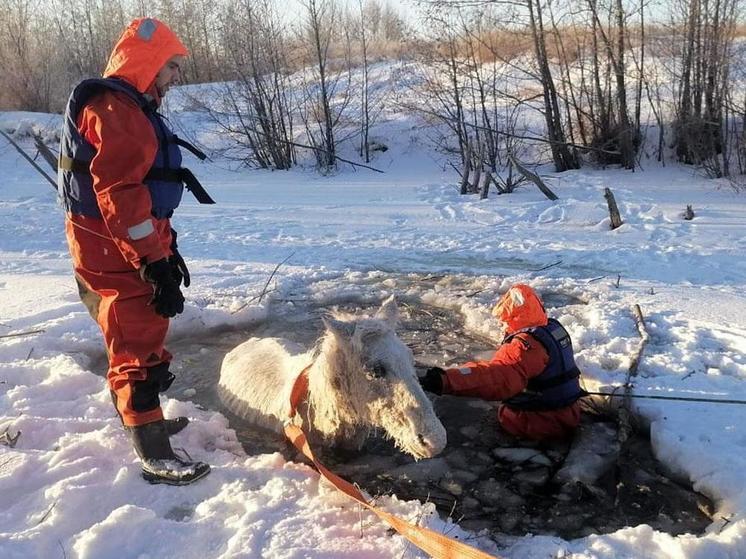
(329, 414)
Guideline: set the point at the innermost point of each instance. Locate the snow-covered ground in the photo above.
(71, 486)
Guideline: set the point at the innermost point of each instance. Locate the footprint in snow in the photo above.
(447, 212)
(551, 215)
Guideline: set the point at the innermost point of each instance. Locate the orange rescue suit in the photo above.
(106, 257)
(507, 374)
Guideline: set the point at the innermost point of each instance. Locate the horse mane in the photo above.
(331, 393)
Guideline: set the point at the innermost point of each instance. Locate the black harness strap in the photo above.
(182, 175)
(195, 187)
(539, 385)
(186, 145)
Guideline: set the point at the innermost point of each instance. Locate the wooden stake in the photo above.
(624, 415)
(644, 338)
(616, 219)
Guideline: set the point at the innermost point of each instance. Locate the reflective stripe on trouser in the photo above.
(133, 333)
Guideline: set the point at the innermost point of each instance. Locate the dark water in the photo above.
(467, 482)
(435, 336)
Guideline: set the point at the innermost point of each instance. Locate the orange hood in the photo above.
(520, 308)
(142, 50)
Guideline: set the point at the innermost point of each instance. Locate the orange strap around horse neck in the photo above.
(434, 543)
(299, 391)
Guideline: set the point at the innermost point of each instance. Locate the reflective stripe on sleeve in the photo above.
(464, 370)
(141, 230)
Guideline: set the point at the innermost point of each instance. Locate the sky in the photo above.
(293, 10)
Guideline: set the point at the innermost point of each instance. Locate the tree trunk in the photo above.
(485, 185)
(327, 156)
(626, 143)
(365, 108)
(464, 188)
(563, 159)
(478, 170)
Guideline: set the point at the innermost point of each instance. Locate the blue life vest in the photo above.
(165, 179)
(557, 386)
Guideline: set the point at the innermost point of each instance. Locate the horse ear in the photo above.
(389, 311)
(339, 328)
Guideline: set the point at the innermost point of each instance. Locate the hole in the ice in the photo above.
(483, 479)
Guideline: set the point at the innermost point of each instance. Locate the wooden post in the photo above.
(616, 220)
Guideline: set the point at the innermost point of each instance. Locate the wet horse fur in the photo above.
(361, 378)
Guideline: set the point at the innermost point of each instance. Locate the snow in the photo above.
(71, 487)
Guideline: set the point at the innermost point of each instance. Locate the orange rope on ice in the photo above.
(429, 541)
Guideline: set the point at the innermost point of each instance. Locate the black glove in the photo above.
(167, 298)
(178, 266)
(433, 380)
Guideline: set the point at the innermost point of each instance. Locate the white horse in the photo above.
(361, 378)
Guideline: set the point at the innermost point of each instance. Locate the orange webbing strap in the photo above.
(298, 392)
(434, 543)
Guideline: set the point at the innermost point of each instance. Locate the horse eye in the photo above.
(379, 371)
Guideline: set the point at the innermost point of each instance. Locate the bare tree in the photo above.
(27, 59)
(254, 110)
(199, 23)
(364, 101)
(620, 135)
(318, 117)
(564, 159)
(86, 31)
(701, 122)
(439, 94)
(530, 14)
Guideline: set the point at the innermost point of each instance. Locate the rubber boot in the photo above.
(176, 424)
(159, 463)
(173, 426)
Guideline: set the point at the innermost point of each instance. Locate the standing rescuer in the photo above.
(120, 179)
(533, 372)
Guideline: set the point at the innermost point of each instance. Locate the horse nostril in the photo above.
(433, 444)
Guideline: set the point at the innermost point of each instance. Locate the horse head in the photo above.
(371, 371)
